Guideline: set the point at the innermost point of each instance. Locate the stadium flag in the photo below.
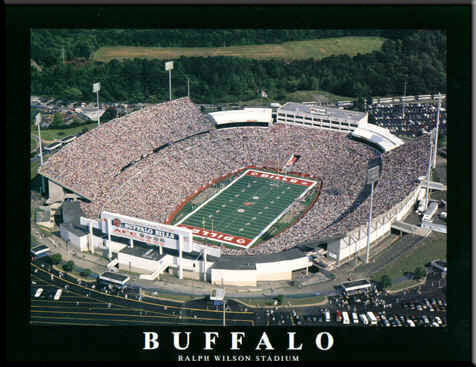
(292, 160)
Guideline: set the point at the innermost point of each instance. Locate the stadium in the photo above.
(233, 197)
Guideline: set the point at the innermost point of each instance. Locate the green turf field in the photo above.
(243, 211)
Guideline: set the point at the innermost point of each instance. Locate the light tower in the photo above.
(428, 172)
(169, 65)
(96, 89)
(38, 122)
(403, 101)
(435, 149)
(372, 176)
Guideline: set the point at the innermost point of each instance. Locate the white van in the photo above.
(38, 293)
(327, 316)
(372, 318)
(355, 319)
(363, 318)
(58, 294)
(345, 318)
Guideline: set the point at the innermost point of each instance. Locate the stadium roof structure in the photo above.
(377, 135)
(314, 244)
(333, 113)
(154, 254)
(247, 262)
(78, 231)
(42, 214)
(356, 285)
(114, 277)
(72, 212)
(39, 249)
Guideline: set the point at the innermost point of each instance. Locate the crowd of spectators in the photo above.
(92, 161)
(409, 121)
(158, 182)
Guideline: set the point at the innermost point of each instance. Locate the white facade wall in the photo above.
(280, 270)
(55, 192)
(211, 251)
(245, 115)
(234, 277)
(319, 121)
(356, 239)
(136, 263)
(115, 246)
(98, 242)
(79, 242)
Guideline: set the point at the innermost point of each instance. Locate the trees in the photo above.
(85, 273)
(419, 273)
(109, 114)
(58, 120)
(420, 60)
(55, 259)
(386, 281)
(68, 266)
(73, 94)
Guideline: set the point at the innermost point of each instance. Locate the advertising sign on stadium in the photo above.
(148, 232)
(277, 177)
(218, 236)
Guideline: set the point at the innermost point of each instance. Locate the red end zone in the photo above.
(218, 236)
(293, 180)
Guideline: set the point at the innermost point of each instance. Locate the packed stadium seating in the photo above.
(152, 187)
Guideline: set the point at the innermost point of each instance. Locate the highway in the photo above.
(80, 304)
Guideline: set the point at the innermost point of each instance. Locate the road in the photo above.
(80, 304)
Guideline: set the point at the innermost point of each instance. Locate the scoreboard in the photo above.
(152, 233)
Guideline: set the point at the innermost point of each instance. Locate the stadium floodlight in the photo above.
(96, 89)
(437, 128)
(218, 295)
(38, 123)
(169, 65)
(428, 172)
(372, 177)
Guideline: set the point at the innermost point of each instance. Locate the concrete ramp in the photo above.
(410, 228)
(433, 184)
(433, 226)
(164, 263)
(112, 265)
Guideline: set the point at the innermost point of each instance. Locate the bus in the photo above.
(372, 318)
(430, 211)
(345, 318)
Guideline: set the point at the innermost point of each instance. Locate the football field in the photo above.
(243, 211)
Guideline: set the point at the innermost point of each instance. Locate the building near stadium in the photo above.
(169, 189)
(321, 117)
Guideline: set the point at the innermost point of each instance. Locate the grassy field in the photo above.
(33, 142)
(258, 302)
(50, 135)
(297, 50)
(297, 96)
(404, 285)
(433, 247)
(313, 95)
(246, 207)
(34, 169)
